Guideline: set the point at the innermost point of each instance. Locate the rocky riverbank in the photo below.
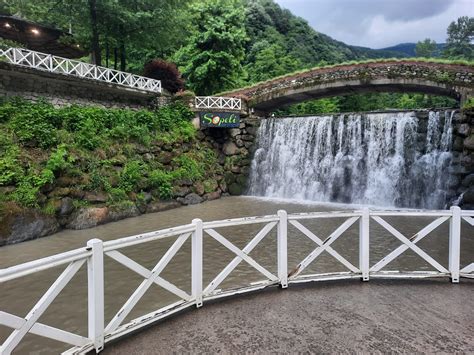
(124, 180)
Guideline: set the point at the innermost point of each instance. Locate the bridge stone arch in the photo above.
(453, 80)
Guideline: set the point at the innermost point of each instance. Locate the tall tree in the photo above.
(460, 39)
(426, 48)
(212, 59)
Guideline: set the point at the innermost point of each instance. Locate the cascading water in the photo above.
(385, 159)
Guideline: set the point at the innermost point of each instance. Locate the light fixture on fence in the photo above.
(35, 31)
(7, 25)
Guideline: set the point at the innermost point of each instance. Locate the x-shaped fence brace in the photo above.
(241, 255)
(48, 62)
(150, 277)
(29, 323)
(323, 246)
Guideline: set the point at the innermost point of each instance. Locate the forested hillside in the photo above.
(220, 45)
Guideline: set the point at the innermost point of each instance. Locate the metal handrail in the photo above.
(59, 65)
(217, 102)
(94, 253)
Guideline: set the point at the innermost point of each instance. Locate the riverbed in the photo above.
(69, 310)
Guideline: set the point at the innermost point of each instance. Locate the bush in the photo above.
(167, 72)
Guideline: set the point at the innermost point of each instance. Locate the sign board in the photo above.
(220, 119)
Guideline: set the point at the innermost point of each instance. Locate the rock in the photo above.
(236, 189)
(468, 196)
(18, 226)
(88, 217)
(248, 138)
(468, 181)
(184, 182)
(95, 197)
(66, 181)
(4, 190)
(60, 192)
(160, 206)
(122, 213)
(199, 188)
(469, 142)
(212, 196)
(165, 157)
(181, 191)
(239, 143)
(66, 206)
(235, 169)
(234, 132)
(192, 199)
(147, 197)
(458, 144)
(463, 129)
(252, 130)
(230, 148)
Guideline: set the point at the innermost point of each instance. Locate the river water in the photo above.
(69, 310)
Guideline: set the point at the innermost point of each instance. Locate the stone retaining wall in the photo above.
(64, 90)
(462, 169)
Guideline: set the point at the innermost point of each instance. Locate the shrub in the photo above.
(167, 72)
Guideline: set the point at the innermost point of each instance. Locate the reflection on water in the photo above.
(69, 310)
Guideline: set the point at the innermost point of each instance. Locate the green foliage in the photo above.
(59, 159)
(188, 168)
(426, 48)
(131, 174)
(469, 104)
(212, 59)
(460, 38)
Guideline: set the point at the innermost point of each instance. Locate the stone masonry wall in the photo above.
(62, 90)
(463, 166)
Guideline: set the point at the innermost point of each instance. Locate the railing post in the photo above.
(454, 243)
(196, 261)
(95, 275)
(364, 243)
(282, 246)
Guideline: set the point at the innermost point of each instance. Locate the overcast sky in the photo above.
(380, 23)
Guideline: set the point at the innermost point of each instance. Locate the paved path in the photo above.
(335, 317)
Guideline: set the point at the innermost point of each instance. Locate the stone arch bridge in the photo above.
(453, 80)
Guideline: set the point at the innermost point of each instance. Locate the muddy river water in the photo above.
(69, 310)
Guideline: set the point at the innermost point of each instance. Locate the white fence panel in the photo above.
(54, 64)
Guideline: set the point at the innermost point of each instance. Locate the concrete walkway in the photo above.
(333, 317)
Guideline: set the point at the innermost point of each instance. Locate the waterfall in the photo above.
(385, 159)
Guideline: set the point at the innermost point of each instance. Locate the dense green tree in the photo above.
(211, 61)
(426, 48)
(460, 39)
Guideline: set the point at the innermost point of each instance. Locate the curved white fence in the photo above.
(93, 256)
(54, 64)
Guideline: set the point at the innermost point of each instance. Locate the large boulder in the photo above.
(17, 226)
(230, 148)
(88, 217)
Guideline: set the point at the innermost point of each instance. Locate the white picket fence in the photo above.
(54, 64)
(93, 255)
(219, 103)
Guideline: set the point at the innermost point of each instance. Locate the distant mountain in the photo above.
(409, 49)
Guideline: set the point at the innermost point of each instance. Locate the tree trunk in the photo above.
(95, 44)
(123, 57)
(115, 57)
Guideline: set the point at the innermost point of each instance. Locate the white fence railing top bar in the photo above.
(54, 64)
(94, 253)
(219, 103)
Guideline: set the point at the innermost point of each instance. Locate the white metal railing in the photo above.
(220, 103)
(59, 65)
(93, 255)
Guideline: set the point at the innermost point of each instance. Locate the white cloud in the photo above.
(381, 23)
